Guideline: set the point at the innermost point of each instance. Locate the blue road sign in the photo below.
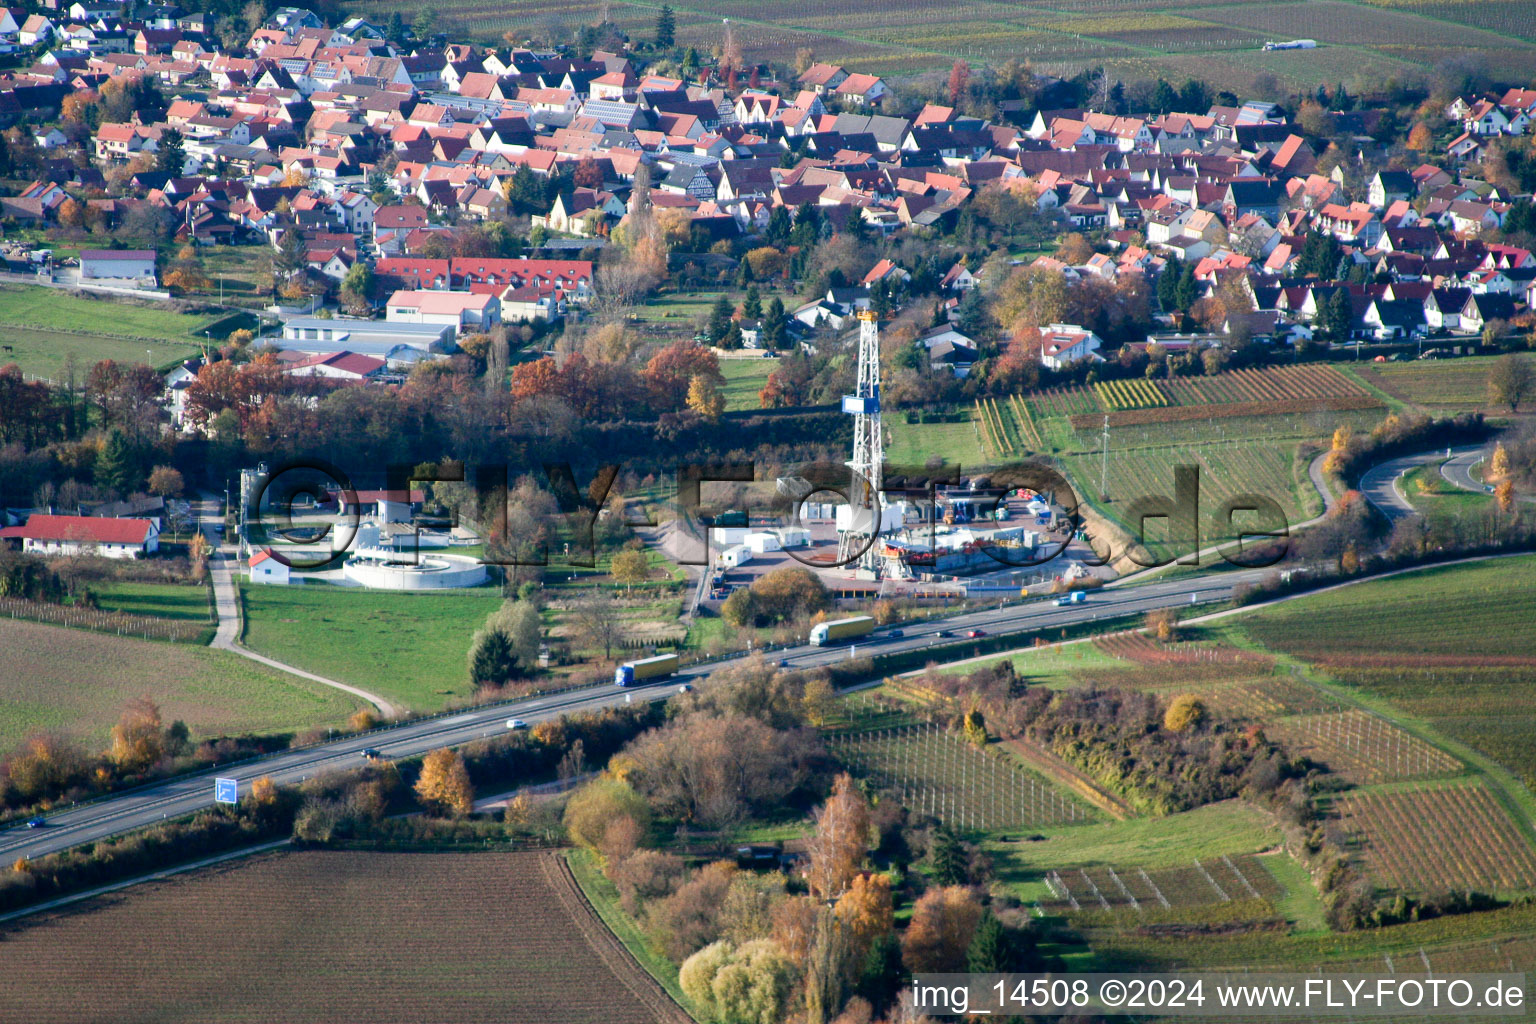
(226, 791)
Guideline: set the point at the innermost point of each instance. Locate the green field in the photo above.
(1439, 651)
(1230, 827)
(162, 600)
(1442, 611)
(913, 444)
(409, 648)
(744, 378)
(77, 682)
(45, 325)
(61, 310)
(44, 353)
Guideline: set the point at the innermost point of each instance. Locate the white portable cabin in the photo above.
(761, 543)
(732, 557)
(794, 536)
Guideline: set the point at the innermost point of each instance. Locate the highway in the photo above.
(183, 795)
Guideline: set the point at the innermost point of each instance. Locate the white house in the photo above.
(266, 569)
(460, 310)
(133, 266)
(85, 535)
(1064, 344)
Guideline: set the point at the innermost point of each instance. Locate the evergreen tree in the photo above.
(880, 973)
(779, 226)
(116, 467)
(289, 258)
(752, 307)
(971, 314)
(1194, 98)
(1188, 289)
(666, 29)
(171, 156)
(948, 858)
(395, 31)
(1338, 315)
(1168, 285)
(1164, 98)
(990, 951)
(719, 320)
(492, 659)
(774, 336)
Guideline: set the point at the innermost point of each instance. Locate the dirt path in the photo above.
(607, 945)
(1063, 774)
(226, 603)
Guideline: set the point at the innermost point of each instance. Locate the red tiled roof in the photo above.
(82, 528)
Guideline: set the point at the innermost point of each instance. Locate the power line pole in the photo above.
(1104, 463)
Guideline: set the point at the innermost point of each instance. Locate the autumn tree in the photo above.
(959, 81)
(1511, 381)
(943, 924)
(867, 909)
(71, 213)
(1163, 623)
(1185, 713)
(629, 567)
(44, 765)
(1498, 465)
(715, 768)
(975, 725)
(841, 840)
(166, 481)
(818, 701)
(746, 913)
(747, 984)
(444, 786)
(263, 792)
(594, 807)
(138, 738)
(587, 174)
(829, 967)
(1505, 493)
(671, 370)
(705, 399)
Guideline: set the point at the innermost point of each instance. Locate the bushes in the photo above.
(782, 595)
(1399, 435)
(207, 834)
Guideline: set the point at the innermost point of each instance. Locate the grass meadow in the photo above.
(73, 681)
(409, 648)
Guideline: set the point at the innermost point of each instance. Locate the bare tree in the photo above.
(596, 621)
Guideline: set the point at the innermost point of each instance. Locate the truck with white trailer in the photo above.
(632, 672)
(840, 629)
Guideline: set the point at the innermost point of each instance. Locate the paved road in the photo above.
(1382, 484)
(181, 796)
(1457, 470)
